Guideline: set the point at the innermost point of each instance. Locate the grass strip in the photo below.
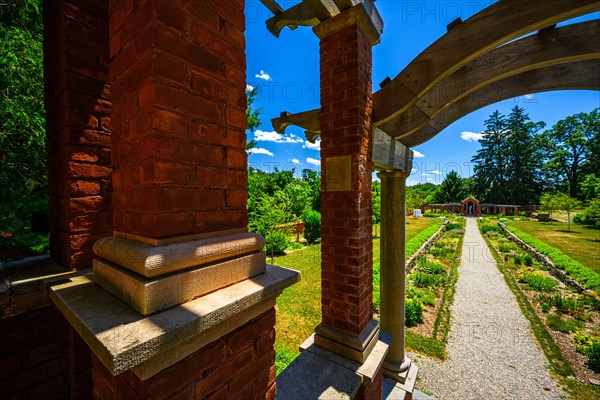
(425, 345)
(414, 244)
(582, 274)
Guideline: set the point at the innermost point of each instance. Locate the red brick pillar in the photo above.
(178, 71)
(180, 179)
(346, 107)
(77, 127)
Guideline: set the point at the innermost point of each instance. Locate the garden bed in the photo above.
(569, 317)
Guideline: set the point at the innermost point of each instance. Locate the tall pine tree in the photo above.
(491, 161)
(524, 177)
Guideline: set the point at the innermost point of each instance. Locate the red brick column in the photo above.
(346, 105)
(77, 127)
(178, 71)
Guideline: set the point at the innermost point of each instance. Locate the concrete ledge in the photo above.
(123, 339)
(151, 261)
(147, 295)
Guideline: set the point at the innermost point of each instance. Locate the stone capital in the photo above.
(363, 14)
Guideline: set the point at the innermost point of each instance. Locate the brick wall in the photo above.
(77, 127)
(178, 71)
(236, 366)
(346, 229)
(41, 357)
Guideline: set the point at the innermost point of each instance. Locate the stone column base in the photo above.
(406, 378)
(318, 373)
(355, 348)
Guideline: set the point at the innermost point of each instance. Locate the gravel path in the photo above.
(492, 352)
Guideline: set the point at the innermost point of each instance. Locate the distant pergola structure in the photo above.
(154, 287)
(472, 206)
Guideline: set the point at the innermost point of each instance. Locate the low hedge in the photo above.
(582, 274)
(414, 244)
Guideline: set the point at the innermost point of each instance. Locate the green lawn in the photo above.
(299, 307)
(582, 244)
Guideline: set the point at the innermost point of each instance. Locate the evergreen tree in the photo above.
(491, 161)
(451, 189)
(524, 159)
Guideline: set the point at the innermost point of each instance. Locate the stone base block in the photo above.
(147, 295)
(318, 373)
(356, 348)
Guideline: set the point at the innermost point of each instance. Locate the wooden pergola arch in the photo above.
(474, 65)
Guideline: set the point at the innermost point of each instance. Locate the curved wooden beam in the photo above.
(494, 26)
(571, 43)
(582, 75)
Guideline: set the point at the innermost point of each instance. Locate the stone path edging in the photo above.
(554, 270)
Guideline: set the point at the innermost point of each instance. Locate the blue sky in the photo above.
(286, 69)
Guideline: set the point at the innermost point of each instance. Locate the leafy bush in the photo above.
(557, 323)
(485, 228)
(312, 225)
(590, 346)
(277, 241)
(453, 225)
(422, 279)
(504, 248)
(425, 295)
(577, 271)
(528, 260)
(567, 304)
(591, 215)
(430, 267)
(414, 312)
(540, 282)
(518, 260)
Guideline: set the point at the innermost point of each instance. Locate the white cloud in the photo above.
(259, 150)
(263, 75)
(436, 172)
(249, 87)
(425, 174)
(529, 96)
(418, 154)
(471, 136)
(429, 179)
(262, 136)
(312, 146)
(313, 161)
(296, 161)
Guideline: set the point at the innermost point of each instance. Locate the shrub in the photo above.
(567, 304)
(590, 346)
(557, 323)
(453, 225)
(425, 295)
(518, 260)
(414, 312)
(430, 267)
(591, 215)
(277, 241)
(422, 279)
(540, 282)
(528, 260)
(504, 247)
(312, 225)
(485, 228)
(576, 270)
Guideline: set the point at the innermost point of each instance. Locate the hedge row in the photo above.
(414, 244)
(582, 274)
